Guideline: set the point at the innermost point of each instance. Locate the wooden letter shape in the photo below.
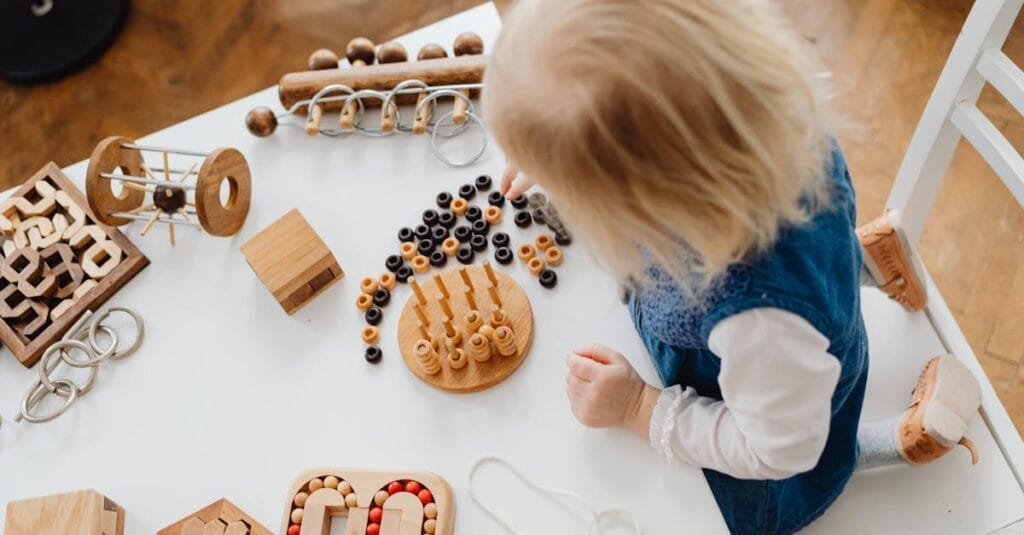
(320, 507)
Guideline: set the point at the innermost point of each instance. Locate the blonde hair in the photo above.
(683, 133)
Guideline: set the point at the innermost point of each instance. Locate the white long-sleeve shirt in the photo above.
(777, 380)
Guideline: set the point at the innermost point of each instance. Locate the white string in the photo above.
(598, 516)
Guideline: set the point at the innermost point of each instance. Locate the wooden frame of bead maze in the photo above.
(466, 329)
(376, 502)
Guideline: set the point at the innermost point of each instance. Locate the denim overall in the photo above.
(812, 271)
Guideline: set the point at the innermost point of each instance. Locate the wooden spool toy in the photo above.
(375, 502)
(446, 332)
(121, 159)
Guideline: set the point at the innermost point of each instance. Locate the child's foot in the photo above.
(942, 405)
(891, 262)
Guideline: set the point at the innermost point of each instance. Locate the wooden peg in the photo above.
(466, 280)
(424, 332)
(466, 43)
(471, 301)
(490, 274)
(449, 329)
(360, 53)
(446, 308)
(421, 315)
(495, 298)
(390, 52)
(313, 120)
(441, 286)
(418, 291)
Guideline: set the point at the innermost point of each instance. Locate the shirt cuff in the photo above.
(663, 420)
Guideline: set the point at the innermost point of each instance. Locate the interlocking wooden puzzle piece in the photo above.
(13, 304)
(292, 261)
(85, 512)
(22, 263)
(220, 516)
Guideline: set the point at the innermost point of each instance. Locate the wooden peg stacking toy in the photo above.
(119, 159)
(293, 262)
(374, 502)
(85, 512)
(221, 517)
(466, 44)
(461, 309)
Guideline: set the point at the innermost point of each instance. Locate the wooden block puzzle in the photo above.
(292, 261)
(85, 512)
(58, 262)
(375, 502)
(221, 517)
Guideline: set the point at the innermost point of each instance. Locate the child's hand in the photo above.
(605, 391)
(514, 183)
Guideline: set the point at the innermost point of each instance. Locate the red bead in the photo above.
(294, 529)
(394, 487)
(373, 529)
(425, 496)
(376, 514)
(413, 487)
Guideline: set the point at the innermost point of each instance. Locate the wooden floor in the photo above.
(178, 59)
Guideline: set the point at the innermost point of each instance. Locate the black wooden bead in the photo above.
(373, 354)
(438, 259)
(422, 231)
(382, 296)
(523, 219)
(444, 199)
(540, 216)
(467, 191)
(537, 200)
(503, 255)
(478, 243)
(462, 233)
(425, 247)
(406, 234)
(520, 202)
(374, 315)
(548, 278)
(496, 199)
(430, 217)
(393, 263)
(465, 255)
(403, 274)
(563, 238)
(481, 227)
(474, 213)
(438, 234)
(483, 182)
(501, 240)
(446, 219)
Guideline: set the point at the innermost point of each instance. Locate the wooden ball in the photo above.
(323, 59)
(300, 499)
(392, 52)
(429, 525)
(169, 200)
(380, 497)
(351, 501)
(297, 515)
(261, 121)
(331, 482)
(431, 51)
(486, 331)
(430, 510)
(360, 49)
(345, 488)
(315, 484)
(468, 43)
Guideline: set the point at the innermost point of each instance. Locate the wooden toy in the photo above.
(553, 256)
(466, 44)
(526, 252)
(544, 242)
(536, 266)
(374, 502)
(457, 306)
(221, 517)
(459, 206)
(292, 261)
(57, 263)
(492, 215)
(450, 246)
(85, 512)
(387, 280)
(121, 159)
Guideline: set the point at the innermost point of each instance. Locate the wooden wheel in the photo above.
(108, 157)
(223, 218)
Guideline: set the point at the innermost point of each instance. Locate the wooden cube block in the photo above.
(85, 512)
(220, 516)
(292, 261)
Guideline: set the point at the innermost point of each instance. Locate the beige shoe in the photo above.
(945, 399)
(891, 261)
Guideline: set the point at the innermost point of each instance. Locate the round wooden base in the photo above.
(474, 376)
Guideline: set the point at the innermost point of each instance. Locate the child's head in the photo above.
(661, 122)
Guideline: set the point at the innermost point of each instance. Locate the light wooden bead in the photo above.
(479, 349)
(297, 515)
(536, 265)
(486, 331)
(504, 341)
(499, 318)
(473, 321)
(351, 501)
(371, 335)
(450, 246)
(492, 215)
(408, 250)
(331, 482)
(430, 510)
(545, 241)
(553, 256)
(427, 357)
(420, 264)
(380, 498)
(345, 488)
(364, 302)
(526, 252)
(300, 499)
(429, 525)
(457, 360)
(387, 280)
(315, 484)
(368, 285)
(459, 206)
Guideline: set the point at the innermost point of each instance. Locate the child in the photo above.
(686, 141)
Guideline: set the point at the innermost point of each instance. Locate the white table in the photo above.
(229, 397)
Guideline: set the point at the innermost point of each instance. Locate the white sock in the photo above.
(877, 442)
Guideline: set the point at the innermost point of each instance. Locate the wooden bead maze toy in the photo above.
(465, 329)
(121, 159)
(85, 512)
(220, 517)
(376, 502)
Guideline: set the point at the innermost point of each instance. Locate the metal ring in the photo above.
(35, 397)
(46, 368)
(139, 326)
(103, 354)
(434, 95)
(334, 88)
(358, 95)
(473, 118)
(391, 96)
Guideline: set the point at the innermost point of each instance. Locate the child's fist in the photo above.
(605, 391)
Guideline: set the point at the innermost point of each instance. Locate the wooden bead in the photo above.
(373, 529)
(492, 215)
(395, 487)
(450, 246)
(364, 302)
(387, 280)
(468, 43)
(431, 51)
(457, 359)
(380, 497)
(536, 265)
(473, 321)
(297, 515)
(368, 285)
(553, 256)
(392, 52)
(420, 264)
(478, 348)
(294, 529)
(315, 484)
(504, 341)
(408, 250)
(426, 354)
(359, 51)
(300, 499)
(430, 510)
(499, 318)
(486, 331)
(351, 500)
(413, 487)
(261, 121)
(376, 515)
(459, 206)
(545, 241)
(323, 59)
(331, 482)
(526, 252)
(371, 335)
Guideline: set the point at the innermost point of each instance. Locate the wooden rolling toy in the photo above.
(221, 517)
(484, 319)
(292, 261)
(85, 512)
(376, 502)
(120, 159)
